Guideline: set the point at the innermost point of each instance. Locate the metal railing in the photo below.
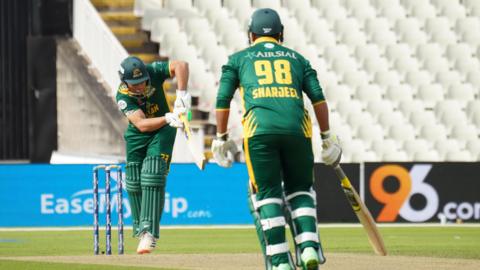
(98, 42)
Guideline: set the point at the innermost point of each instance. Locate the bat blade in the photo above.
(362, 212)
(198, 157)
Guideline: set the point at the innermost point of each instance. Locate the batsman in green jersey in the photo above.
(149, 138)
(277, 139)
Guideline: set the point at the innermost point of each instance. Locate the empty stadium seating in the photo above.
(402, 76)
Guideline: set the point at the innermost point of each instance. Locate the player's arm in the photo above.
(229, 82)
(221, 146)
(332, 151)
(179, 69)
(138, 119)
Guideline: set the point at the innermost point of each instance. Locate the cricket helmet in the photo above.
(265, 22)
(133, 70)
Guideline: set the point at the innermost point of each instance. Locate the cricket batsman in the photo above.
(277, 133)
(149, 138)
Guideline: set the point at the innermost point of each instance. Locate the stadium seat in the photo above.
(297, 4)
(391, 118)
(465, 25)
(346, 107)
(386, 79)
(379, 107)
(444, 146)
(461, 92)
(415, 146)
(453, 12)
(421, 119)
(336, 52)
(375, 65)
(150, 14)
(376, 25)
(458, 155)
(234, 41)
(436, 65)
(444, 38)
(418, 78)
(448, 78)
(467, 65)
(364, 52)
(433, 132)
(383, 39)
(437, 24)
(333, 13)
(274, 4)
(474, 147)
(358, 119)
(323, 4)
(430, 94)
(139, 7)
(323, 40)
(204, 5)
(401, 133)
(429, 51)
(429, 156)
(169, 42)
(384, 146)
(337, 93)
(399, 93)
(472, 38)
(362, 13)
(163, 26)
(398, 156)
(370, 133)
(393, 13)
(406, 64)
(177, 4)
(409, 107)
(397, 51)
(423, 11)
(194, 25)
(459, 52)
(367, 93)
(351, 148)
(473, 107)
(355, 79)
(464, 132)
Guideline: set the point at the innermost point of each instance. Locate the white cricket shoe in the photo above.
(147, 243)
(282, 266)
(310, 258)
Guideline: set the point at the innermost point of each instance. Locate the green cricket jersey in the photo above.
(153, 102)
(271, 79)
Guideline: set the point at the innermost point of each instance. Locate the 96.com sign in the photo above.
(423, 192)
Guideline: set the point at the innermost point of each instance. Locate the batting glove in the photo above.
(183, 102)
(331, 150)
(224, 151)
(173, 120)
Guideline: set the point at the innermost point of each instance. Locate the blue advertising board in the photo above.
(61, 195)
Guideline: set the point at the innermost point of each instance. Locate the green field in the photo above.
(442, 242)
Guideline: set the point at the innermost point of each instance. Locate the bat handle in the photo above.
(339, 171)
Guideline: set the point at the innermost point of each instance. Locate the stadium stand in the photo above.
(401, 76)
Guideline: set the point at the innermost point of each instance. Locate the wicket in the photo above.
(108, 227)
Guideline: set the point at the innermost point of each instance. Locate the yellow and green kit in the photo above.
(277, 132)
(148, 153)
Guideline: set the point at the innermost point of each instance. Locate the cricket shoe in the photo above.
(282, 266)
(147, 243)
(310, 258)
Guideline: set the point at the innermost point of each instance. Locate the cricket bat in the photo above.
(198, 157)
(362, 212)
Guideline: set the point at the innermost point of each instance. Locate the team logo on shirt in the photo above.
(269, 45)
(122, 105)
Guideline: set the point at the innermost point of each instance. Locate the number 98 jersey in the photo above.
(271, 79)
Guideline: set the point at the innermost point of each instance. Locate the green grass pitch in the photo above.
(444, 242)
